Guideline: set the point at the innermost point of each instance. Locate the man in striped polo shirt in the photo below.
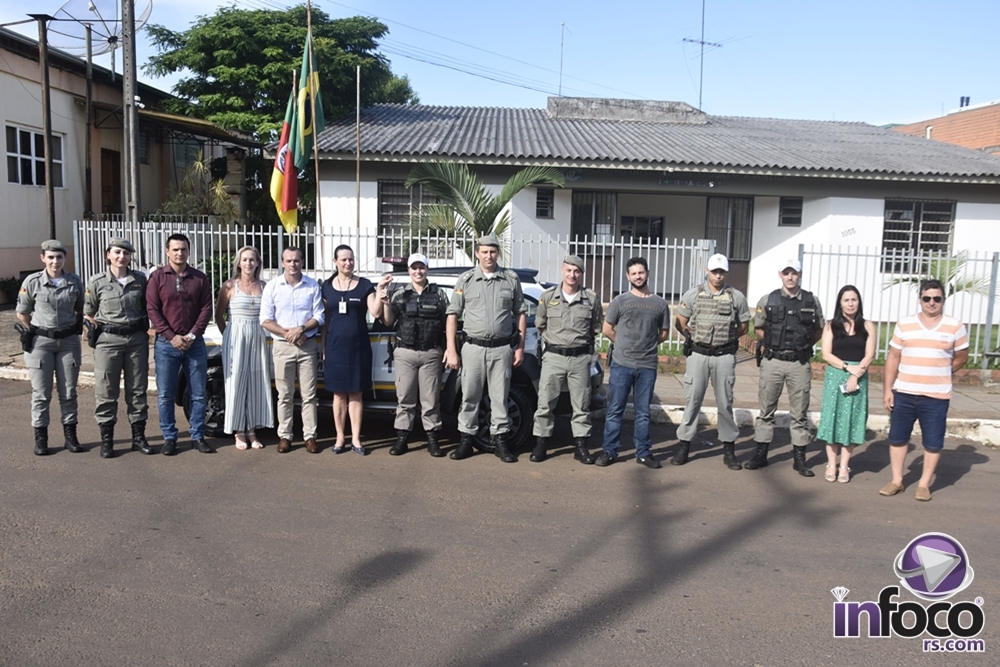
(925, 350)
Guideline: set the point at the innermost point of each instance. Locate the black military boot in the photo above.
(581, 453)
(139, 443)
(799, 462)
(729, 456)
(503, 449)
(464, 449)
(108, 440)
(539, 452)
(399, 447)
(759, 459)
(72, 444)
(433, 446)
(681, 455)
(41, 441)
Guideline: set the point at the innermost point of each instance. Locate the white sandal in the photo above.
(830, 474)
(241, 444)
(254, 442)
(845, 475)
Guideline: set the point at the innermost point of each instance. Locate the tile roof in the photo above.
(723, 144)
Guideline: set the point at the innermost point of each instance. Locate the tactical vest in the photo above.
(420, 325)
(713, 322)
(790, 323)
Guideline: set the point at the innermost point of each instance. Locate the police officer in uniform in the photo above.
(115, 308)
(711, 317)
(50, 320)
(569, 317)
(788, 323)
(490, 301)
(418, 311)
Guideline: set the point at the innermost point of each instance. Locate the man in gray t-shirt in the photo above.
(636, 322)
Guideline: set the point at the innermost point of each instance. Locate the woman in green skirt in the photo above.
(849, 348)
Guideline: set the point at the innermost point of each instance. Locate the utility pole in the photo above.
(702, 42)
(130, 116)
(88, 195)
(43, 61)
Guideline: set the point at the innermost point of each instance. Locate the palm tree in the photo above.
(466, 207)
(950, 271)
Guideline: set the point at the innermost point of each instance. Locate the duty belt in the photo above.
(494, 342)
(418, 348)
(132, 328)
(56, 334)
(786, 355)
(568, 351)
(728, 348)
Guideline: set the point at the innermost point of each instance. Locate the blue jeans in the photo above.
(620, 384)
(932, 413)
(169, 362)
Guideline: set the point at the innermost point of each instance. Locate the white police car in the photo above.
(521, 400)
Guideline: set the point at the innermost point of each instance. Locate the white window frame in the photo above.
(32, 161)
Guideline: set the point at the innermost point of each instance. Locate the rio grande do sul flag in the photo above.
(285, 177)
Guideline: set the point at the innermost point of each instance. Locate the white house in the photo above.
(758, 187)
(167, 145)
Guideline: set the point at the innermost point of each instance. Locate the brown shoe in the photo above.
(923, 493)
(311, 446)
(284, 446)
(891, 489)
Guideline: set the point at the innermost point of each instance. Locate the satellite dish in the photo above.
(104, 18)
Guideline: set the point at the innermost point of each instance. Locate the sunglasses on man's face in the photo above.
(935, 299)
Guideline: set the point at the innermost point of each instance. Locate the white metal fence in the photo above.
(888, 281)
(675, 265)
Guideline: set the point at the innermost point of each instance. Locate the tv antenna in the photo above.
(103, 17)
(703, 43)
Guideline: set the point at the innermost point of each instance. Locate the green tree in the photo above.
(467, 208)
(240, 63)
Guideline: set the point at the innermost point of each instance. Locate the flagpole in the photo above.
(312, 102)
(357, 153)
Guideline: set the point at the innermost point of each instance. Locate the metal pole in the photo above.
(88, 195)
(130, 116)
(992, 295)
(357, 152)
(312, 104)
(43, 61)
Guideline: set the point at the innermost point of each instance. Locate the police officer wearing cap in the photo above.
(490, 301)
(711, 317)
(50, 319)
(115, 308)
(418, 312)
(569, 316)
(788, 322)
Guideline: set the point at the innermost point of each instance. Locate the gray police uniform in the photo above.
(568, 329)
(418, 355)
(713, 320)
(123, 344)
(56, 312)
(490, 308)
(789, 324)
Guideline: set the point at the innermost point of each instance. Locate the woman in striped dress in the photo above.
(246, 358)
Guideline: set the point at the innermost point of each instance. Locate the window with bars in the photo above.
(545, 200)
(593, 218)
(729, 221)
(26, 157)
(642, 228)
(397, 206)
(790, 212)
(915, 228)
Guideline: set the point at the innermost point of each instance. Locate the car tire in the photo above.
(521, 411)
(215, 410)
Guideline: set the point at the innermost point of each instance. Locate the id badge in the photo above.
(343, 307)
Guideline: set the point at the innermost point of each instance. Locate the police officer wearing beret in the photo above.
(569, 316)
(788, 322)
(418, 311)
(711, 316)
(50, 317)
(490, 301)
(115, 307)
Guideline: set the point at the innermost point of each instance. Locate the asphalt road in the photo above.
(255, 558)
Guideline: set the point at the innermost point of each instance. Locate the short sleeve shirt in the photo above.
(569, 324)
(51, 306)
(488, 306)
(637, 322)
(111, 302)
(730, 306)
(926, 355)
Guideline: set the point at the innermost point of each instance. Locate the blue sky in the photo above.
(879, 61)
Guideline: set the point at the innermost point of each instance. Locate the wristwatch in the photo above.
(845, 367)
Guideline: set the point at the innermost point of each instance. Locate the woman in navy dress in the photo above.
(347, 352)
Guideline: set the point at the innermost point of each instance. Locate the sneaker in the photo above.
(604, 460)
(649, 462)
